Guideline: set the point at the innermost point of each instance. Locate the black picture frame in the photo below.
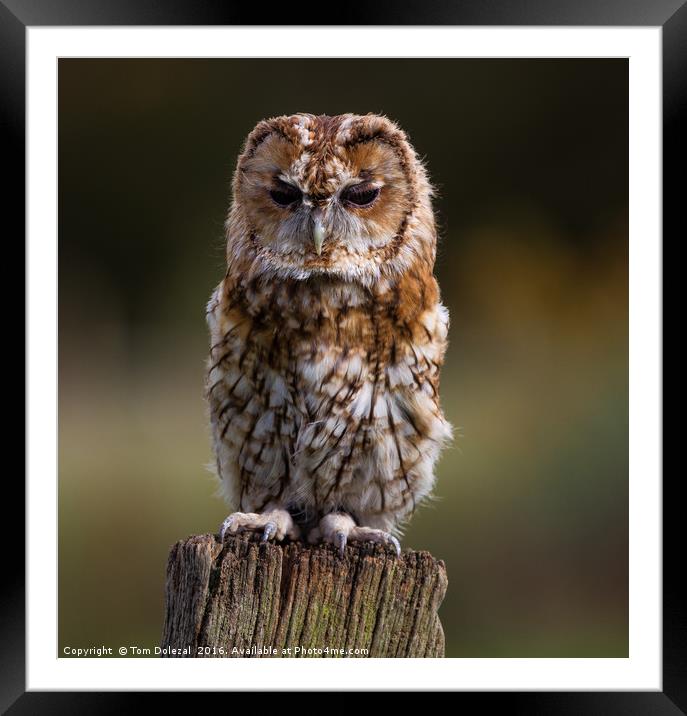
(671, 15)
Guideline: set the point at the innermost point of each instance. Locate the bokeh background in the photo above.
(530, 161)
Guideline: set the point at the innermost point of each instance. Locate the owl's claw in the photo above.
(225, 527)
(275, 523)
(339, 528)
(269, 532)
(341, 540)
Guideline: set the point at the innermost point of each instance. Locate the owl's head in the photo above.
(342, 196)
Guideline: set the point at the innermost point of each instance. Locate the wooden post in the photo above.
(261, 600)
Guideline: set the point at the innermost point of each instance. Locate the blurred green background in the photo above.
(530, 161)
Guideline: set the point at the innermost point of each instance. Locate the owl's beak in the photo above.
(318, 232)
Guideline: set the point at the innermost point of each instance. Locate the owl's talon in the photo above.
(341, 540)
(274, 523)
(269, 532)
(224, 528)
(339, 528)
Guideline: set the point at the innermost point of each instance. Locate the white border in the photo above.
(642, 670)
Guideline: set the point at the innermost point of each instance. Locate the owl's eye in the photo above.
(285, 194)
(361, 194)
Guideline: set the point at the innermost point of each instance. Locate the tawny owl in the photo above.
(327, 334)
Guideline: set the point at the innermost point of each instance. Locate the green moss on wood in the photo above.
(246, 596)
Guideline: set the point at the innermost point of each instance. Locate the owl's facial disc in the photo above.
(318, 203)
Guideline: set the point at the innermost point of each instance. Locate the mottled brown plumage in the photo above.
(327, 333)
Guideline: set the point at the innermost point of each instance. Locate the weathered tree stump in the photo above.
(264, 600)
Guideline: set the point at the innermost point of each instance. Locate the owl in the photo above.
(327, 334)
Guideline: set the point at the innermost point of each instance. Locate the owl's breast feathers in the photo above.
(325, 394)
(320, 320)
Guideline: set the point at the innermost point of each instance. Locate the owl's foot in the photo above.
(274, 524)
(338, 529)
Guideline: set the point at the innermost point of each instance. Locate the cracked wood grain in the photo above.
(267, 600)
